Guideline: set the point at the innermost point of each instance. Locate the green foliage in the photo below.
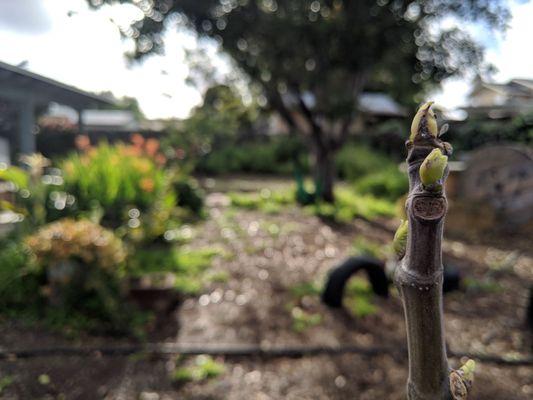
(20, 280)
(218, 123)
(487, 284)
(476, 132)
(188, 266)
(343, 48)
(37, 193)
(188, 194)
(356, 161)
(275, 156)
(359, 297)
(16, 175)
(266, 200)
(306, 289)
(5, 382)
(389, 183)
(371, 171)
(91, 299)
(204, 368)
(349, 205)
(115, 179)
(303, 320)
(366, 247)
(260, 38)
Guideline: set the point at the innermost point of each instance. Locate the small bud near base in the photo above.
(399, 242)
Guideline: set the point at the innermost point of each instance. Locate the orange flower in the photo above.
(151, 146)
(160, 159)
(83, 142)
(147, 184)
(137, 140)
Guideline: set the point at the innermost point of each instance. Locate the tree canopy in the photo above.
(314, 57)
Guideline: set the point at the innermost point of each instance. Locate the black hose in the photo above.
(164, 349)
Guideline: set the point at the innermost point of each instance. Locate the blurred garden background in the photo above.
(178, 178)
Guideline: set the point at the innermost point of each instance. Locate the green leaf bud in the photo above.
(432, 168)
(424, 117)
(399, 243)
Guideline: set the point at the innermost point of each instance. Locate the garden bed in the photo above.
(263, 290)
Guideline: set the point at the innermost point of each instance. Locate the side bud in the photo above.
(399, 243)
(424, 123)
(432, 168)
(461, 380)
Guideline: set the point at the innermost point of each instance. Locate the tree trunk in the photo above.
(419, 280)
(325, 173)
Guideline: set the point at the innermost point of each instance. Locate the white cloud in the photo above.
(86, 50)
(24, 15)
(513, 56)
(510, 53)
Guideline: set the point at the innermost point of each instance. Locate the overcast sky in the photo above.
(64, 40)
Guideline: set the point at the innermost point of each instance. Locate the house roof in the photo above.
(16, 82)
(513, 88)
(380, 104)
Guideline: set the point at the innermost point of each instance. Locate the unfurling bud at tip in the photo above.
(399, 243)
(432, 168)
(424, 122)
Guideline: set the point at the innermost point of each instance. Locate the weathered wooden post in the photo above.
(419, 274)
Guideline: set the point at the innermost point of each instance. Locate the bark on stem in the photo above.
(419, 280)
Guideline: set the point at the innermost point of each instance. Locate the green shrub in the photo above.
(475, 132)
(187, 266)
(81, 269)
(37, 194)
(188, 194)
(356, 161)
(389, 183)
(20, 280)
(276, 156)
(115, 179)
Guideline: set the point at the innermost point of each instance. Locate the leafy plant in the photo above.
(204, 368)
(5, 382)
(302, 320)
(115, 179)
(81, 271)
(388, 183)
(349, 205)
(187, 266)
(20, 280)
(366, 247)
(82, 240)
(188, 193)
(359, 297)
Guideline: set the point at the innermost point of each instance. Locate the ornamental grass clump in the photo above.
(419, 274)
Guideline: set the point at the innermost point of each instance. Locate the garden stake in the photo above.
(419, 275)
